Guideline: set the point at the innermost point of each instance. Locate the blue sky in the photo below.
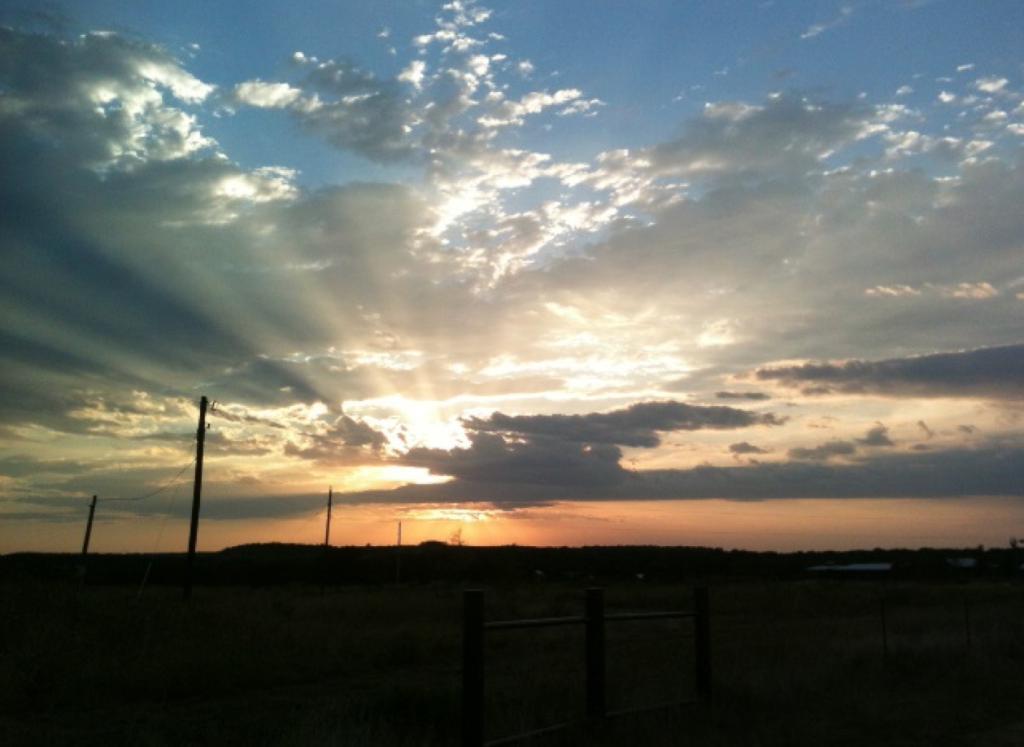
(744, 273)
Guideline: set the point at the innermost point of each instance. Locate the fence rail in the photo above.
(475, 627)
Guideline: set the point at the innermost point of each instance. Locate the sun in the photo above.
(410, 424)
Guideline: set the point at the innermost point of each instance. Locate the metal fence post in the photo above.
(472, 668)
(596, 705)
(702, 642)
(885, 631)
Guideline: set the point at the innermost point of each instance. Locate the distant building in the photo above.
(965, 564)
(852, 569)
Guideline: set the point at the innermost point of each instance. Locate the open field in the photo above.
(797, 662)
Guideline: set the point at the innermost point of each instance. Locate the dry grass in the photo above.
(795, 664)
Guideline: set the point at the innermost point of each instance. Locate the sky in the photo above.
(743, 274)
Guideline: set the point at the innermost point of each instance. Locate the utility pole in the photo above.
(196, 490)
(398, 557)
(88, 527)
(327, 544)
(327, 537)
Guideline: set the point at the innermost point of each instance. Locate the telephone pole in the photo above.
(398, 557)
(88, 527)
(196, 490)
(327, 537)
(326, 571)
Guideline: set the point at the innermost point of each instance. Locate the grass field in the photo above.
(795, 663)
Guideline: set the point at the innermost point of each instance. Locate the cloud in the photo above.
(637, 425)
(986, 372)
(939, 473)
(414, 74)
(349, 107)
(787, 133)
(484, 274)
(753, 396)
(876, 436)
(840, 17)
(823, 452)
(570, 450)
(991, 84)
(514, 112)
(946, 473)
(536, 461)
(746, 448)
(104, 98)
(344, 441)
(266, 95)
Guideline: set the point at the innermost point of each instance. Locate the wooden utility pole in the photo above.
(327, 544)
(88, 527)
(398, 557)
(196, 491)
(327, 536)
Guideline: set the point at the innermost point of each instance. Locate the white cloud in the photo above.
(170, 75)
(893, 290)
(414, 73)
(843, 15)
(104, 98)
(269, 95)
(980, 290)
(514, 112)
(991, 84)
(973, 290)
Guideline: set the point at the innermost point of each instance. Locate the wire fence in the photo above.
(594, 620)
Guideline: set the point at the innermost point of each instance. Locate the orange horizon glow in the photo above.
(780, 525)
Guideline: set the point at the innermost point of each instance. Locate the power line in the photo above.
(161, 489)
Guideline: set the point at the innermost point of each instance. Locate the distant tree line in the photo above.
(436, 562)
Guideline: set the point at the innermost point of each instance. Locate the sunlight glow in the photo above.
(447, 513)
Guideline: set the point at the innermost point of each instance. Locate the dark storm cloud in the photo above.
(986, 372)
(503, 495)
(946, 473)
(636, 425)
(950, 473)
(746, 448)
(346, 439)
(877, 436)
(823, 452)
(751, 396)
(571, 450)
(538, 460)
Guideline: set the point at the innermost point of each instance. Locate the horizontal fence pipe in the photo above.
(621, 616)
(594, 619)
(667, 706)
(538, 623)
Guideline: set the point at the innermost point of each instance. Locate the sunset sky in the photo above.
(743, 274)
